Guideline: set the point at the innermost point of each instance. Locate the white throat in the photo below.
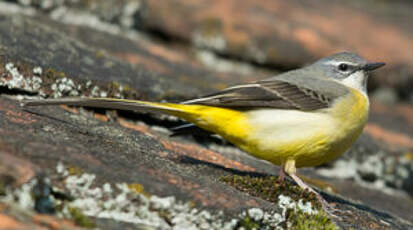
(357, 80)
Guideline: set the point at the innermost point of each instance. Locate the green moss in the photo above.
(269, 188)
(166, 215)
(295, 220)
(54, 74)
(113, 85)
(303, 221)
(81, 219)
(138, 188)
(49, 77)
(408, 156)
(126, 88)
(248, 223)
(116, 88)
(74, 171)
(100, 54)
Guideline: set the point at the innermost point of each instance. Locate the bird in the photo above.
(300, 118)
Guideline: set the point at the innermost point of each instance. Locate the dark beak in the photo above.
(373, 66)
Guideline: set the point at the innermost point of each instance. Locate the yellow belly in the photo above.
(309, 138)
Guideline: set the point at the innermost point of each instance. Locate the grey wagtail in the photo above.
(300, 118)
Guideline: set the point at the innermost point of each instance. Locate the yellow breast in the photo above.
(310, 138)
(351, 114)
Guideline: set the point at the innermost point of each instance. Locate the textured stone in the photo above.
(135, 148)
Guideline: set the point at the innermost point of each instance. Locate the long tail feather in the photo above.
(106, 103)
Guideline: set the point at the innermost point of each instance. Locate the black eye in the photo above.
(343, 67)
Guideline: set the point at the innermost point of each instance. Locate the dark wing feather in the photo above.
(281, 92)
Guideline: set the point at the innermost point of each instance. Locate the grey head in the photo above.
(347, 68)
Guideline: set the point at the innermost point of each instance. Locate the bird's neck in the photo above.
(358, 81)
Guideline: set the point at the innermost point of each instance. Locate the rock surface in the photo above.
(45, 53)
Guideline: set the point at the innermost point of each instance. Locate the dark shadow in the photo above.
(200, 135)
(339, 200)
(194, 161)
(78, 128)
(7, 91)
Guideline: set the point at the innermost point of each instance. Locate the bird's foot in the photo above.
(281, 177)
(329, 209)
(290, 169)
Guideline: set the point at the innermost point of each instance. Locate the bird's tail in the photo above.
(213, 119)
(182, 111)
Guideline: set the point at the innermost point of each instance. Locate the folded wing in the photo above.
(282, 92)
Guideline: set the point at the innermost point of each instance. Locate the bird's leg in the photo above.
(291, 170)
(282, 175)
